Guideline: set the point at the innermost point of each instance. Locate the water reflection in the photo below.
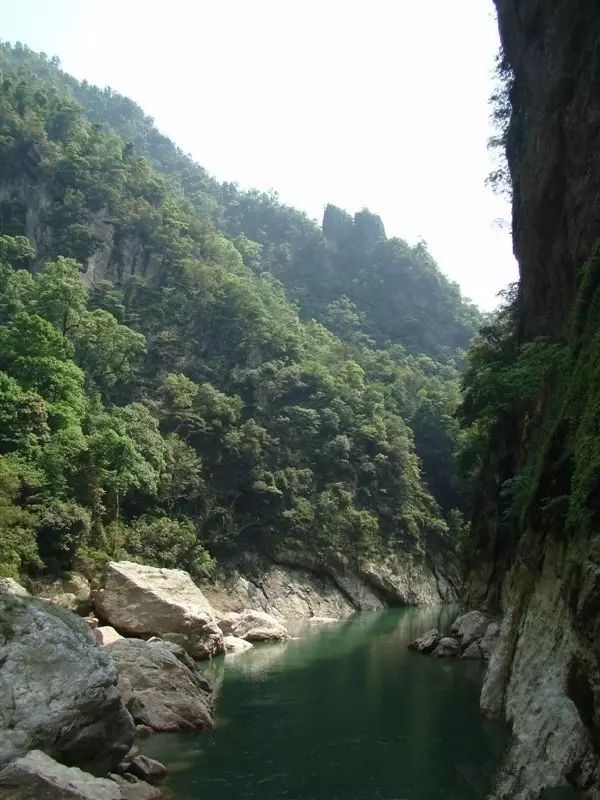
(346, 712)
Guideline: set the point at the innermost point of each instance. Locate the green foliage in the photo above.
(19, 484)
(193, 370)
(161, 541)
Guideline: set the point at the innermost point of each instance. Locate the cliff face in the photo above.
(552, 48)
(544, 574)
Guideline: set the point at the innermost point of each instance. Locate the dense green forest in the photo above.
(188, 370)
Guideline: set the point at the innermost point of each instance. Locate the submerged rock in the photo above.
(322, 620)
(427, 642)
(132, 788)
(233, 645)
(253, 626)
(58, 689)
(144, 601)
(473, 651)
(159, 689)
(447, 648)
(36, 776)
(147, 769)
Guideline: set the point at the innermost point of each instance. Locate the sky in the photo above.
(380, 104)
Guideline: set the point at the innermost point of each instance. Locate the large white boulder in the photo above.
(58, 689)
(152, 601)
(253, 626)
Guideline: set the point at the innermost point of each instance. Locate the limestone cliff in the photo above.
(543, 569)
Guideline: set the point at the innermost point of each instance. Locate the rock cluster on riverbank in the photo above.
(74, 691)
(472, 636)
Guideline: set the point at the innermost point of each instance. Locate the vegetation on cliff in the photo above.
(188, 370)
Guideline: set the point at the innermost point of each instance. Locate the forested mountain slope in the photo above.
(401, 293)
(163, 398)
(532, 407)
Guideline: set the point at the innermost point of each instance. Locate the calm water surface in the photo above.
(344, 713)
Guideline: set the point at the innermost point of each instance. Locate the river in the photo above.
(345, 712)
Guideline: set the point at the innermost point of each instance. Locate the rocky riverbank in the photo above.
(473, 636)
(87, 669)
(290, 584)
(75, 691)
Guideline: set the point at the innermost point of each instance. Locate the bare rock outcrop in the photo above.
(58, 689)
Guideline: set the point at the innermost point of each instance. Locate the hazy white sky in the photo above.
(376, 103)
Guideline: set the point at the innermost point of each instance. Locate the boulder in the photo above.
(143, 731)
(447, 648)
(227, 621)
(426, 643)
(72, 593)
(490, 640)
(105, 634)
(470, 626)
(233, 645)
(253, 626)
(58, 689)
(473, 651)
(145, 601)
(161, 690)
(132, 788)
(147, 769)
(11, 587)
(36, 776)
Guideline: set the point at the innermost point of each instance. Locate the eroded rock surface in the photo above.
(292, 585)
(36, 776)
(447, 647)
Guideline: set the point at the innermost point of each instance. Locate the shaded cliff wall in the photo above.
(543, 568)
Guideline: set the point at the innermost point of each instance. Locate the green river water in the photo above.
(345, 712)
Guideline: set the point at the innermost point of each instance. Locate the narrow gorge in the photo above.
(283, 514)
